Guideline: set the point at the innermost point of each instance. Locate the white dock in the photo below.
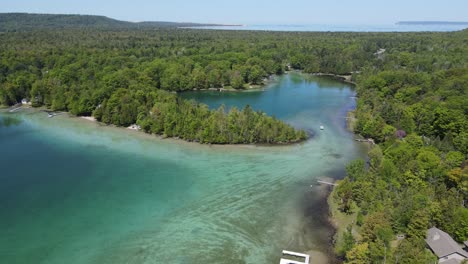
(328, 183)
(296, 255)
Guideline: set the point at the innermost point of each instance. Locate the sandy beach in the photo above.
(89, 118)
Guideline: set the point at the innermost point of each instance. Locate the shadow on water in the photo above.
(315, 206)
(8, 121)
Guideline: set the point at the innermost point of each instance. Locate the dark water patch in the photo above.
(316, 213)
(336, 155)
(8, 121)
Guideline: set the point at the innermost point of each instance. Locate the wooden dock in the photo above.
(369, 140)
(304, 258)
(327, 183)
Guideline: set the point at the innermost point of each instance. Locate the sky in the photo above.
(368, 12)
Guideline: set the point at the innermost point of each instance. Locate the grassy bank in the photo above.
(341, 221)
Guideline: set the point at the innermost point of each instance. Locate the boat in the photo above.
(50, 115)
(321, 127)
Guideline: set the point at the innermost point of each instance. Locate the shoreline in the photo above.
(343, 78)
(178, 139)
(161, 138)
(252, 87)
(324, 192)
(326, 255)
(89, 118)
(337, 219)
(271, 80)
(315, 204)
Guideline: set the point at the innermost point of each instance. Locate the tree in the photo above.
(237, 82)
(359, 254)
(460, 224)
(412, 251)
(454, 159)
(418, 225)
(348, 240)
(256, 74)
(356, 169)
(375, 157)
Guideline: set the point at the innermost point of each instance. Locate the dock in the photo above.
(299, 258)
(369, 140)
(327, 183)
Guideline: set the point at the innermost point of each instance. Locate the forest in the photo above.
(412, 100)
(416, 177)
(12, 22)
(125, 77)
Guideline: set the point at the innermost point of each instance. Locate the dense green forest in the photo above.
(412, 90)
(125, 76)
(415, 106)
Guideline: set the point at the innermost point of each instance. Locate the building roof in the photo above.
(452, 261)
(466, 243)
(442, 244)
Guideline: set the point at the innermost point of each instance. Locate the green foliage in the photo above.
(129, 75)
(377, 228)
(411, 251)
(420, 180)
(172, 116)
(454, 159)
(348, 241)
(418, 224)
(359, 254)
(118, 76)
(460, 224)
(356, 169)
(375, 157)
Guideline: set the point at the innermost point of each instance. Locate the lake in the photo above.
(75, 191)
(346, 27)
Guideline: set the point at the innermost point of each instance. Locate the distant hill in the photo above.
(432, 23)
(26, 21)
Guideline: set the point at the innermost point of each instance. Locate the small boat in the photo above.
(322, 128)
(50, 115)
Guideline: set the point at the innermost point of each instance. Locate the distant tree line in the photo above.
(19, 22)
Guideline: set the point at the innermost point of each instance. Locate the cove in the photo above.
(74, 191)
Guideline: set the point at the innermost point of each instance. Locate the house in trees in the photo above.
(444, 247)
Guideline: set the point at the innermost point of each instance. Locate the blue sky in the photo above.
(253, 11)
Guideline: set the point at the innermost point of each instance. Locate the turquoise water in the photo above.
(74, 191)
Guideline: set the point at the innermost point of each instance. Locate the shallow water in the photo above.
(74, 191)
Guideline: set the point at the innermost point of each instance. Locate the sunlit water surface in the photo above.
(74, 191)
